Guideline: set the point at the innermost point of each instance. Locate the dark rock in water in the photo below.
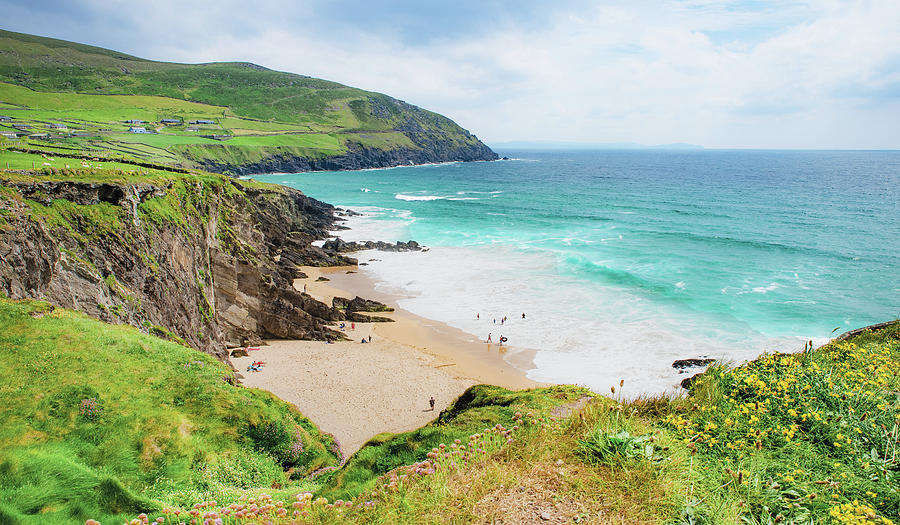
(338, 245)
(239, 352)
(691, 363)
(320, 279)
(363, 264)
(688, 381)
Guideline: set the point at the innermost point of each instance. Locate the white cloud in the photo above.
(784, 74)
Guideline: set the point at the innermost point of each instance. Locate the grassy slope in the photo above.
(101, 420)
(93, 89)
(807, 438)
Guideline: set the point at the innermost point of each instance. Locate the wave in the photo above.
(745, 243)
(365, 190)
(403, 197)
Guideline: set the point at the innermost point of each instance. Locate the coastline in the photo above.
(356, 391)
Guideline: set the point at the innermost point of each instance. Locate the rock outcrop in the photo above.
(208, 260)
(358, 157)
(681, 364)
(338, 245)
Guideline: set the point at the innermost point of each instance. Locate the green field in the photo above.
(94, 91)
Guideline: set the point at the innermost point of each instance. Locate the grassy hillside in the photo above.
(102, 420)
(253, 114)
(809, 438)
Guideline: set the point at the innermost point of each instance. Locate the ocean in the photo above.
(624, 261)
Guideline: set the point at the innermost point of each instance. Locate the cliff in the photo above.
(206, 259)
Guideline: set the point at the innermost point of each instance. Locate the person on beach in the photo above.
(353, 326)
(523, 315)
(489, 338)
(478, 316)
(431, 402)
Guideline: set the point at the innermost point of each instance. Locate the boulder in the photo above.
(681, 364)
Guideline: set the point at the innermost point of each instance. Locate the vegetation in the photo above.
(805, 439)
(228, 115)
(103, 420)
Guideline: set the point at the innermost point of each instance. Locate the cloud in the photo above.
(728, 74)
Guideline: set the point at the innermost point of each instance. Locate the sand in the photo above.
(356, 391)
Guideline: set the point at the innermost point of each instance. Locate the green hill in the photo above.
(246, 118)
(105, 422)
(102, 420)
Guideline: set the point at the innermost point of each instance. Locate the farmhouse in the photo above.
(173, 121)
(9, 135)
(192, 129)
(138, 129)
(38, 136)
(22, 126)
(203, 121)
(57, 126)
(134, 121)
(4, 118)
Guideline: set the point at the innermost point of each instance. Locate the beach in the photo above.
(357, 390)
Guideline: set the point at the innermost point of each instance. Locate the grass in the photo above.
(104, 421)
(94, 91)
(773, 441)
(795, 437)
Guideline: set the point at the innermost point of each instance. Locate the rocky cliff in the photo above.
(207, 259)
(358, 157)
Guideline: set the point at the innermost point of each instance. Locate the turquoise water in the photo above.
(627, 260)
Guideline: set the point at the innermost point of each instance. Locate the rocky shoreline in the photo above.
(359, 157)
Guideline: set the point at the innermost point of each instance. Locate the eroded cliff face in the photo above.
(207, 259)
(358, 157)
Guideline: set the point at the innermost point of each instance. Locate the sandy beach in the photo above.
(355, 390)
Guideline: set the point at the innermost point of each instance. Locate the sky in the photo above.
(717, 73)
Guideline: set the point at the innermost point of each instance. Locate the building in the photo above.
(4, 118)
(192, 129)
(172, 121)
(22, 126)
(137, 129)
(57, 126)
(134, 121)
(38, 136)
(203, 121)
(11, 136)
